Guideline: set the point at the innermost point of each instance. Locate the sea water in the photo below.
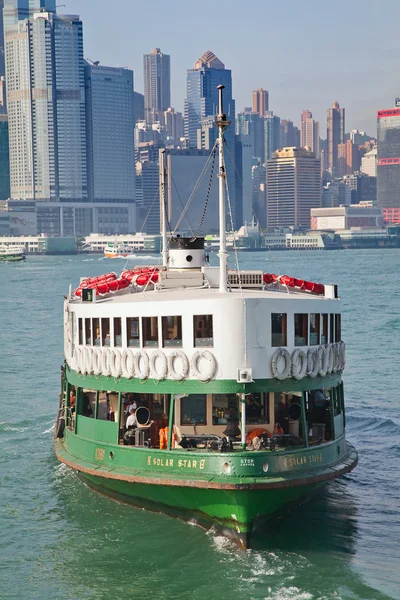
(60, 540)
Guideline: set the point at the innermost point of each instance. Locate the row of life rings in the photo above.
(316, 361)
(104, 284)
(293, 282)
(157, 365)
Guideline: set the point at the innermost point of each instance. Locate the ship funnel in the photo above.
(186, 253)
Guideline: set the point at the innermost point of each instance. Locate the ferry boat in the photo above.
(12, 254)
(116, 250)
(232, 380)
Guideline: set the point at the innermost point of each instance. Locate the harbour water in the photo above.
(60, 540)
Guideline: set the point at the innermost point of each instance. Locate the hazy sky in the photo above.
(306, 54)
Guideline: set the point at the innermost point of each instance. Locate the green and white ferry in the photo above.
(12, 253)
(234, 379)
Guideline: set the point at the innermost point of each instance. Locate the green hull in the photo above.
(12, 258)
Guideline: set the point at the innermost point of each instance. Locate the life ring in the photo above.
(142, 374)
(106, 362)
(128, 364)
(329, 351)
(298, 364)
(77, 359)
(281, 353)
(323, 361)
(212, 367)
(342, 356)
(96, 361)
(183, 373)
(83, 361)
(89, 360)
(335, 354)
(313, 362)
(115, 363)
(158, 374)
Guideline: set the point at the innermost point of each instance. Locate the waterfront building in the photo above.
(157, 84)
(272, 134)
(293, 187)
(335, 134)
(346, 217)
(173, 121)
(260, 102)
(388, 167)
(309, 132)
(369, 163)
(110, 142)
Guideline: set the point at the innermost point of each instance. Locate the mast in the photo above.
(222, 124)
(163, 208)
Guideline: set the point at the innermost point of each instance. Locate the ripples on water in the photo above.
(59, 539)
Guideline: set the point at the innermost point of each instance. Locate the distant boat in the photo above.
(114, 250)
(12, 254)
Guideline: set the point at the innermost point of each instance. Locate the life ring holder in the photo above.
(298, 356)
(106, 362)
(172, 372)
(96, 361)
(206, 354)
(158, 374)
(324, 361)
(143, 375)
(116, 363)
(276, 357)
(313, 363)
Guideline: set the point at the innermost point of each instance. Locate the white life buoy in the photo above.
(209, 372)
(96, 361)
(89, 360)
(140, 357)
(298, 364)
(281, 354)
(323, 361)
(128, 364)
(335, 353)
(106, 362)
(115, 363)
(329, 351)
(77, 359)
(157, 357)
(313, 362)
(342, 356)
(183, 373)
(83, 361)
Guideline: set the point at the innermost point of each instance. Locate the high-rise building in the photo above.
(207, 134)
(173, 121)
(202, 101)
(368, 163)
(293, 187)
(258, 174)
(388, 170)
(309, 132)
(250, 123)
(46, 108)
(138, 107)
(335, 134)
(349, 159)
(157, 84)
(290, 134)
(272, 134)
(110, 145)
(4, 159)
(260, 102)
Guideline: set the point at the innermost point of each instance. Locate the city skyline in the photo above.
(311, 79)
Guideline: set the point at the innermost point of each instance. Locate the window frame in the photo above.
(317, 328)
(174, 343)
(304, 327)
(191, 423)
(128, 329)
(150, 343)
(196, 327)
(283, 332)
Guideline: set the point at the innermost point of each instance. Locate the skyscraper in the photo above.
(174, 123)
(293, 187)
(309, 132)
(388, 169)
(335, 134)
(202, 101)
(290, 134)
(250, 123)
(110, 145)
(272, 134)
(46, 107)
(260, 102)
(157, 84)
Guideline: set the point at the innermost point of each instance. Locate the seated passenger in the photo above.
(131, 425)
(278, 429)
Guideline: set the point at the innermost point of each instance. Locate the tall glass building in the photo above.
(388, 167)
(201, 102)
(272, 134)
(157, 84)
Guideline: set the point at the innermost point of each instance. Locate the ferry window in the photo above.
(96, 332)
(338, 328)
(132, 331)
(150, 331)
(80, 332)
(117, 332)
(88, 404)
(172, 331)
(193, 410)
(257, 408)
(105, 332)
(324, 336)
(278, 329)
(314, 329)
(107, 409)
(88, 331)
(221, 403)
(301, 329)
(203, 330)
(331, 328)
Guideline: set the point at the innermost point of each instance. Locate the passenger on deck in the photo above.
(278, 429)
(131, 425)
(72, 400)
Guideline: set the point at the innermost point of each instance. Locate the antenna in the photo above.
(222, 124)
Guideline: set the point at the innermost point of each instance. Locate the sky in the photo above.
(306, 54)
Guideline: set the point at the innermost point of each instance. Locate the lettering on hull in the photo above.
(297, 461)
(184, 463)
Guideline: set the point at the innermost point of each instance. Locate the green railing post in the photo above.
(96, 406)
(304, 423)
(171, 420)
